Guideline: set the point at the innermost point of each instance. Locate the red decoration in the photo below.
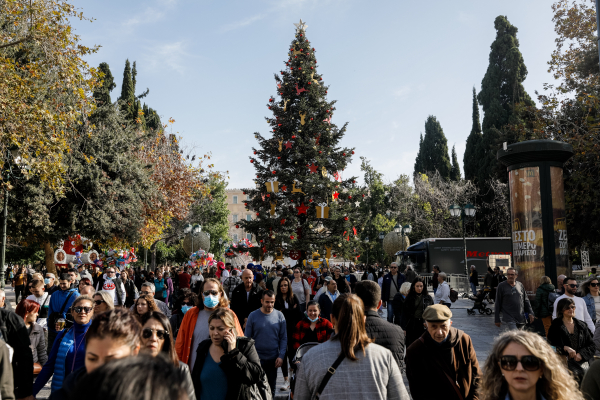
(252, 162)
(363, 195)
(237, 226)
(327, 110)
(298, 91)
(295, 254)
(293, 136)
(292, 237)
(352, 151)
(311, 200)
(268, 195)
(335, 195)
(279, 158)
(257, 214)
(269, 108)
(343, 154)
(345, 218)
(255, 152)
(313, 168)
(353, 181)
(283, 188)
(274, 172)
(350, 197)
(288, 144)
(278, 124)
(282, 221)
(354, 229)
(299, 68)
(313, 49)
(271, 100)
(301, 209)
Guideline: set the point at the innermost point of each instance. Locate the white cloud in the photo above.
(240, 24)
(172, 55)
(150, 15)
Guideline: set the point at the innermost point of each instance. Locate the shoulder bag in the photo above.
(328, 375)
(55, 315)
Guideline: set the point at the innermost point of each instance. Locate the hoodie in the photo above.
(541, 300)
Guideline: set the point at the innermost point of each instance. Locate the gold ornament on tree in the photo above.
(302, 116)
(280, 144)
(272, 185)
(273, 204)
(324, 172)
(285, 104)
(295, 189)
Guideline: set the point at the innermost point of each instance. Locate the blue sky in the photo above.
(389, 64)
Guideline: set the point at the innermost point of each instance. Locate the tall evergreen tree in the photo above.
(102, 92)
(127, 93)
(455, 171)
(433, 152)
(312, 207)
(501, 91)
(419, 159)
(471, 158)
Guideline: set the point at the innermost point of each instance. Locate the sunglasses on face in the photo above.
(186, 303)
(529, 363)
(594, 284)
(98, 302)
(393, 267)
(78, 310)
(160, 333)
(209, 292)
(573, 285)
(571, 307)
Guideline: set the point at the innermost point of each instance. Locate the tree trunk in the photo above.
(49, 258)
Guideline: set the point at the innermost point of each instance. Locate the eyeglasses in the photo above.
(98, 302)
(594, 284)
(186, 303)
(529, 363)
(209, 292)
(393, 267)
(78, 310)
(573, 285)
(160, 333)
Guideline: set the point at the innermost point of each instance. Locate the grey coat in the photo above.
(373, 376)
(38, 344)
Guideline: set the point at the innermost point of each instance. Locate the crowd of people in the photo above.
(224, 332)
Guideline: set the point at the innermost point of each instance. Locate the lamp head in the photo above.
(455, 210)
(407, 229)
(397, 228)
(470, 210)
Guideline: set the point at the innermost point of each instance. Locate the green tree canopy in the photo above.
(471, 157)
(433, 152)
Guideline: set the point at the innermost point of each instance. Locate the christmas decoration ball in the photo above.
(269, 108)
(344, 154)
(350, 197)
(292, 237)
(320, 151)
(293, 136)
(339, 245)
(345, 218)
(274, 172)
(327, 110)
(353, 181)
(255, 152)
(272, 236)
(271, 100)
(313, 49)
(392, 243)
(352, 151)
(257, 214)
(237, 226)
(252, 162)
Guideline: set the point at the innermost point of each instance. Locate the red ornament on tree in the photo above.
(342, 154)
(252, 162)
(271, 100)
(274, 172)
(295, 254)
(350, 197)
(345, 218)
(292, 237)
(237, 226)
(293, 136)
(257, 214)
(352, 151)
(254, 152)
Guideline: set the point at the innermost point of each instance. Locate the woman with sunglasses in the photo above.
(194, 327)
(103, 301)
(227, 365)
(143, 305)
(590, 291)
(186, 299)
(572, 338)
(68, 350)
(523, 366)
(157, 339)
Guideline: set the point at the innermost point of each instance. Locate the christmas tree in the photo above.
(301, 200)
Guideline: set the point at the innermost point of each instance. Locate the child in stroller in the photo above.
(479, 304)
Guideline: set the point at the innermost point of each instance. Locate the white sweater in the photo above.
(442, 294)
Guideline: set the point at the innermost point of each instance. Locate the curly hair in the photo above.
(151, 305)
(556, 383)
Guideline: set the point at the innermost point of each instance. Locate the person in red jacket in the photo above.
(312, 328)
(184, 279)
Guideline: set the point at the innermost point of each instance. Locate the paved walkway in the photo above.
(480, 327)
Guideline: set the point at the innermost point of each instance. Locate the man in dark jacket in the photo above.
(390, 286)
(327, 298)
(246, 297)
(14, 333)
(385, 334)
(448, 356)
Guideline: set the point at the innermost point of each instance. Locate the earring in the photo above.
(502, 374)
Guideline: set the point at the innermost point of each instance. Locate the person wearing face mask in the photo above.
(186, 300)
(49, 283)
(194, 327)
(157, 339)
(448, 356)
(312, 328)
(113, 335)
(43, 299)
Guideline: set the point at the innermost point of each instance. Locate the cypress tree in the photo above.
(419, 159)
(433, 152)
(102, 93)
(501, 90)
(133, 76)
(455, 171)
(471, 158)
(127, 94)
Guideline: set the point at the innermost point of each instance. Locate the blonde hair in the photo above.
(108, 299)
(223, 302)
(556, 383)
(405, 288)
(225, 315)
(545, 279)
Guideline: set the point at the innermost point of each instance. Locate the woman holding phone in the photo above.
(223, 356)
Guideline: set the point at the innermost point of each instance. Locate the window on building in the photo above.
(235, 200)
(235, 237)
(248, 217)
(235, 218)
(249, 236)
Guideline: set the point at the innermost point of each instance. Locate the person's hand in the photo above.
(578, 357)
(531, 318)
(498, 324)
(229, 340)
(278, 363)
(572, 353)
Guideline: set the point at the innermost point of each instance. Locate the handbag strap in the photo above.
(62, 309)
(328, 375)
(452, 382)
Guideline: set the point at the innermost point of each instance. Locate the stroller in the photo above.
(297, 359)
(480, 304)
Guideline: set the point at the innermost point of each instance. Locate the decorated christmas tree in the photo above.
(301, 200)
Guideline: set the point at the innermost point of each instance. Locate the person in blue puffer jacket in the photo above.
(68, 351)
(64, 296)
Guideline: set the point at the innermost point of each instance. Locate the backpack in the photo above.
(552, 296)
(453, 295)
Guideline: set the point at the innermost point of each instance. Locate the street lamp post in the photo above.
(467, 211)
(192, 230)
(11, 156)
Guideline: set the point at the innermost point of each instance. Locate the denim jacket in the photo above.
(591, 307)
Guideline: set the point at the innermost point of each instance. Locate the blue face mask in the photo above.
(211, 301)
(185, 309)
(47, 281)
(312, 320)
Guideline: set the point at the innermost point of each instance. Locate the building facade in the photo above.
(237, 213)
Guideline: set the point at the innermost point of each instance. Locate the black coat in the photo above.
(241, 365)
(397, 305)
(15, 334)
(241, 305)
(558, 336)
(414, 327)
(387, 335)
(292, 315)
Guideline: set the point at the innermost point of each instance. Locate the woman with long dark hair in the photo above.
(363, 370)
(415, 303)
(157, 338)
(287, 302)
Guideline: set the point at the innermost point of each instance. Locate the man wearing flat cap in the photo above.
(448, 357)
